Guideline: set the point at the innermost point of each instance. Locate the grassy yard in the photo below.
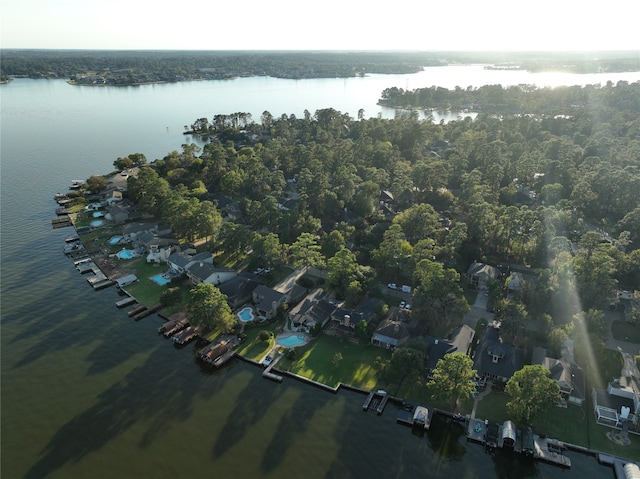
(315, 361)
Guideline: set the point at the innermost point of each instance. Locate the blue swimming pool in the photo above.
(291, 341)
(245, 314)
(96, 223)
(98, 214)
(159, 279)
(114, 240)
(125, 254)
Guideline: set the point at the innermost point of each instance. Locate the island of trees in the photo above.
(544, 180)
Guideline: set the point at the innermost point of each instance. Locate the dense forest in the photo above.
(134, 67)
(411, 201)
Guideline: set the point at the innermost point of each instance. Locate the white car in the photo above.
(402, 304)
(392, 286)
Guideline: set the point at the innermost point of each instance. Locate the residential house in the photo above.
(344, 321)
(313, 310)
(157, 253)
(479, 275)
(436, 349)
(239, 290)
(390, 334)
(267, 301)
(178, 261)
(569, 375)
(117, 215)
(201, 272)
(495, 359)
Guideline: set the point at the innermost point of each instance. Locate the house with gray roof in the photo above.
(436, 349)
(495, 359)
(239, 290)
(201, 272)
(479, 275)
(314, 309)
(390, 334)
(117, 215)
(568, 375)
(267, 301)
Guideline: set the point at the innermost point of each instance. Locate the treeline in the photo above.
(188, 65)
(523, 99)
(131, 67)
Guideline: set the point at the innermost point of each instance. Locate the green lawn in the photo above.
(356, 368)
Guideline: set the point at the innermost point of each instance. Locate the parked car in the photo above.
(392, 286)
(266, 361)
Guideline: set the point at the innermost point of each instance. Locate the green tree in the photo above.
(343, 268)
(306, 252)
(96, 183)
(532, 391)
(438, 291)
(453, 378)
(208, 308)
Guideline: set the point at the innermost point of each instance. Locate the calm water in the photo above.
(87, 392)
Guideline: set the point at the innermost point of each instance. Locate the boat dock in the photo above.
(220, 352)
(376, 400)
(186, 335)
(500, 436)
(413, 414)
(123, 303)
(147, 311)
(61, 222)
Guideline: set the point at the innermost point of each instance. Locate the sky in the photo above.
(444, 25)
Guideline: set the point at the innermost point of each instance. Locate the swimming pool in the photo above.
(125, 254)
(98, 214)
(96, 223)
(114, 240)
(245, 314)
(291, 341)
(159, 279)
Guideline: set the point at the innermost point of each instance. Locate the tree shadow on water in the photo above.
(151, 392)
(250, 406)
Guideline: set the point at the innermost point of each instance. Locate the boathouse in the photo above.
(508, 436)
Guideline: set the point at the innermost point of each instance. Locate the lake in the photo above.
(88, 392)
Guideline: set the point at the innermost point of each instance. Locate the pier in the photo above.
(415, 415)
(123, 303)
(376, 400)
(148, 311)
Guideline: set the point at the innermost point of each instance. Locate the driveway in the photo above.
(615, 344)
(478, 311)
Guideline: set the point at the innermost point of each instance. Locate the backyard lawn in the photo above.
(315, 361)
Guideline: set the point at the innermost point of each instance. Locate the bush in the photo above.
(264, 336)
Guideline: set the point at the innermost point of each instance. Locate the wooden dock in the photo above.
(545, 452)
(61, 222)
(148, 311)
(123, 303)
(132, 312)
